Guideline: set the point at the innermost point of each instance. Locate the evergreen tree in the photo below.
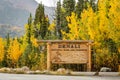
(39, 14)
(29, 28)
(93, 4)
(44, 27)
(6, 61)
(69, 6)
(41, 22)
(58, 20)
(85, 4)
(79, 7)
(30, 54)
(7, 40)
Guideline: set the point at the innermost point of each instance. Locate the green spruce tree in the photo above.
(6, 60)
(58, 20)
(79, 7)
(39, 14)
(30, 54)
(85, 4)
(41, 22)
(93, 4)
(68, 7)
(28, 31)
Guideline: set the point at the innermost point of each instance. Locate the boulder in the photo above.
(17, 70)
(37, 71)
(25, 68)
(46, 72)
(105, 69)
(5, 69)
(61, 71)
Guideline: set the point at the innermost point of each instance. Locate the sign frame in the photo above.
(88, 43)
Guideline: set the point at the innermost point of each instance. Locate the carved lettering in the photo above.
(69, 46)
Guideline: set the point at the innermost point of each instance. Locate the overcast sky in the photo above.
(48, 2)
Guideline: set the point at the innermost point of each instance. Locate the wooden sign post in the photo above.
(68, 52)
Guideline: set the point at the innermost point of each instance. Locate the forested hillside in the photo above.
(16, 13)
(12, 30)
(84, 20)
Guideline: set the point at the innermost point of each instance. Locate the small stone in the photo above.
(68, 71)
(61, 71)
(18, 70)
(105, 69)
(5, 69)
(30, 72)
(37, 71)
(25, 68)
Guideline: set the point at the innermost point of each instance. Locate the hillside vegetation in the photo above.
(86, 20)
(16, 13)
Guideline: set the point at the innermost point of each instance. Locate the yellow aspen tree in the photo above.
(1, 49)
(51, 27)
(84, 24)
(52, 33)
(14, 51)
(73, 25)
(114, 15)
(84, 28)
(106, 36)
(89, 24)
(34, 41)
(103, 19)
(101, 50)
(89, 29)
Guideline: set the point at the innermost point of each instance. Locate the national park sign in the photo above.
(68, 52)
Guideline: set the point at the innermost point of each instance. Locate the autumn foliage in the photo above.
(100, 24)
(103, 27)
(1, 49)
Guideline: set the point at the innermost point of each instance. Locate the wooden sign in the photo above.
(68, 52)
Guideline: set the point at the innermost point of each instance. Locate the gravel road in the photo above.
(53, 77)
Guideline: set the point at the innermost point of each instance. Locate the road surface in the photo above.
(53, 77)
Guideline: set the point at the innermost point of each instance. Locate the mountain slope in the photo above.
(11, 14)
(16, 13)
(12, 30)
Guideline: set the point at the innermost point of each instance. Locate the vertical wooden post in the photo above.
(118, 68)
(48, 56)
(89, 57)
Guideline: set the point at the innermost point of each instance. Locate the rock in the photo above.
(68, 71)
(105, 69)
(25, 68)
(5, 69)
(46, 72)
(38, 71)
(30, 72)
(96, 73)
(17, 70)
(61, 71)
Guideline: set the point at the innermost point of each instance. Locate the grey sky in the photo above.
(48, 2)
